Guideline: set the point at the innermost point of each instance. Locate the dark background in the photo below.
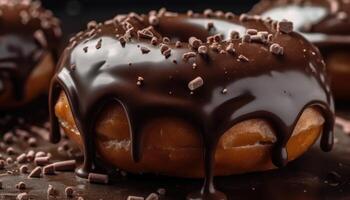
(74, 14)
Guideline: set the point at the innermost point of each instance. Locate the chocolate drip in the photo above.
(27, 28)
(214, 89)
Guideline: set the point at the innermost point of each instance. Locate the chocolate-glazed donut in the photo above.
(326, 23)
(28, 42)
(249, 68)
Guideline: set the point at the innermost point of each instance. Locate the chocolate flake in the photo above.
(195, 83)
(167, 53)
(210, 26)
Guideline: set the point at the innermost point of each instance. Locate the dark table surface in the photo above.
(316, 175)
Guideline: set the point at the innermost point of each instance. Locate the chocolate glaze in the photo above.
(324, 22)
(98, 67)
(28, 32)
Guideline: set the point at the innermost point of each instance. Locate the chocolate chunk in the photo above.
(285, 26)
(49, 170)
(122, 41)
(188, 55)
(67, 165)
(195, 83)
(30, 155)
(166, 40)
(21, 185)
(9, 138)
(153, 20)
(36, 173)
(210, 26)
(167, 53)
(161, 191)
(91, 25)
(40, 154)
(178, 44)
(41, 161)
(145, 50)
(2, 164)
(163, 48)
(229, 15)
(276, 49)
(154, 41)
(22, 196)
(99, 44)
(203, 50)
(246, 38)
(234, 35)
(243, 58)
(40, 37)
(98, 178)
(9, 160)
(217, 38)
(69, 191)
(10, 151)
(208, 13)
(135, 198)
(153, 196)
(32, 142)
(22, 158)
(194, 42)
(252, 31)
(23, 169)
(51, 191)
(230, 49)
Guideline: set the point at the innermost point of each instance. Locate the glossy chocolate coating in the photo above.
(250, 82)
(28, 32)
(324, 22)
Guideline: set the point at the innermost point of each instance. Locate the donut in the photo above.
(327, 25)
(28, 44)
(191, 95)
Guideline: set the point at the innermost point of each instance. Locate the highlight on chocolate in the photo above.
(193, 95)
